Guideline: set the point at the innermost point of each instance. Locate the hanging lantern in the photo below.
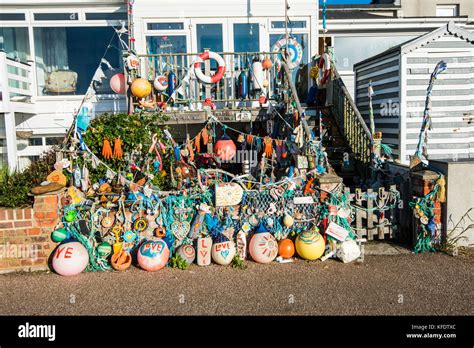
(141, 88)
(263, 246)
(117, 83)
(153, 255)
(310, 245)
(70, 259)
(225, 148)
(160, 83)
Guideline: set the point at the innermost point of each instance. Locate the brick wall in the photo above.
(25, 243)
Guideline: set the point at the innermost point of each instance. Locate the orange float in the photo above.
(267, 64)
(286, 248)
(141, 88)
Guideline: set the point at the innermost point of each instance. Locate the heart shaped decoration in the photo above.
(180, 229)
(225, 253)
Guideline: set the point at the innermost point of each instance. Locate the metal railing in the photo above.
(225, 92)
(350, 122)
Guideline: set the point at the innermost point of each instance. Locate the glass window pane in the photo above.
(166, 44)
(15, 43)
(246, 37)
(56, 16)
(35, 141)
(209, 36)
(165, 26)
(300, 74)
(348, 50)
(67, 58)
(12, 16)
(291, 24)
(107, 16)
(54, 140)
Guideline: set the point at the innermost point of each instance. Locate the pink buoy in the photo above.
(153, 255)
(70, 259)
(263, 246)
(117, 83)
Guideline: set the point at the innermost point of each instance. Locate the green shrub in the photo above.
(15, 186)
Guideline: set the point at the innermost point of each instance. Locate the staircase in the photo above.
(348, 133)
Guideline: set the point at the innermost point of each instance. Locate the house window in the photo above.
(246, 37)
(166, 44)
(35, 141)
(209, 36)
(12, 16)
(447, 10)
(56, 16)
(15, 43)
(165, 26)
(106, 16)
(67, 58)
(54, 140)
(291, 24)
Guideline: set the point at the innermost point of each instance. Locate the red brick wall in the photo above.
(25, 242)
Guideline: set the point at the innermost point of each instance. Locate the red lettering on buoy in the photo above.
(203, 253)
(68, 253)
(60, 250)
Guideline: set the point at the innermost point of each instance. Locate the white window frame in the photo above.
(448, 7)
(262, 37)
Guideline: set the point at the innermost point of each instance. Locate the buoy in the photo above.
(257, 72)
(288, 220)
(70, 259)
(220, 70)
(59, 235)
(133, 62)
(160, 83)
(263, 247)
(266, 83)
(187, 252)
(104, 249)
(171, 83)
(310, 245)
(286, 248)
(293, 48)
(223, 252)
(121, 260)
(153, 255)
(267, 63)
(243, 85)
(225, 148)
(117, 83)
(141, 88)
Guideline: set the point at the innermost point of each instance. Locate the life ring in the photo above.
(294, 49)
(324, 66)
(220, 71)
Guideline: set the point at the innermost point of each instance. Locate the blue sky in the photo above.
(339, 2)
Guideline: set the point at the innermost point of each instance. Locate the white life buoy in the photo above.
(220, 71)
(324, 66)
(160, 83)
(294, 49)
(257, 71)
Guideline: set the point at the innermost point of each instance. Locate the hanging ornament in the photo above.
(160, 83)
(133, 62)
(140, 88)
(117, 83)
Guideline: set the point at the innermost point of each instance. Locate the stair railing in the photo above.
(350, 122)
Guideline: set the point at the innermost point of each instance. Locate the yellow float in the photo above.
(141, 88)
(310, 245)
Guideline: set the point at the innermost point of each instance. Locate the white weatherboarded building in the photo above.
(400, 77)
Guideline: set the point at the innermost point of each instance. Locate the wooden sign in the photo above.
(303, 200)
(204, 246)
